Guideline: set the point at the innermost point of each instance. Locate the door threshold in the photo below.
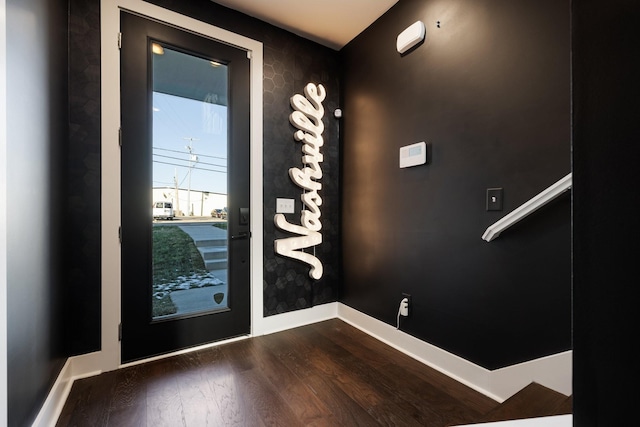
(184, 351)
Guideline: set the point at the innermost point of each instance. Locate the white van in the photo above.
(163, 210)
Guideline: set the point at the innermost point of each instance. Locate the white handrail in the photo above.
(527, 208)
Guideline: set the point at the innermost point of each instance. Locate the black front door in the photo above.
(185, 189)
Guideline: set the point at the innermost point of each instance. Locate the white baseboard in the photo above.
(554, 372)
(75, 368)
(294, 319)
(554, 421)
(50, 411)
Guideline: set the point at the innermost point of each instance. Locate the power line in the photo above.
(185, 160)
(183, 152)
(187, 167)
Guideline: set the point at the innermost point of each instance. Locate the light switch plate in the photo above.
(285, 206)
(494, 199)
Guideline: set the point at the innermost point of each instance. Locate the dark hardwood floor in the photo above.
(532, 401)
(326, 374)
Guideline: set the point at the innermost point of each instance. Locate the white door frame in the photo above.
(3, 211)
(109, 356)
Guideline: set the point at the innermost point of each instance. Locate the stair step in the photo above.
(215, 264)
(566, 407)
(532, 401)
(211, 242)
(213, 252)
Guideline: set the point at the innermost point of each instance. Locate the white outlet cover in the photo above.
(285, 206)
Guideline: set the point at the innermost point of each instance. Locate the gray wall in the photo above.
(36, 136)
(489, 90)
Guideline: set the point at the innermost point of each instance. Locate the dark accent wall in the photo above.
(606, 230)
(489, 91)
(36, 161)
(83, 186)
(290, 62)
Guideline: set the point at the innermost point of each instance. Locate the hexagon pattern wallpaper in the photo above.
(287, 69)
(83, 179)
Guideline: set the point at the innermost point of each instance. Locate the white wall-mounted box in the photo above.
(413, 155)
(410, 37)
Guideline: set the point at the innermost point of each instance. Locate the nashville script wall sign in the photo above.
(307, 118)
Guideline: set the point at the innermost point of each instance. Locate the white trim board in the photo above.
(3, 213)
(294, 319)
(52, 406)
(554, 421)
(554, 372)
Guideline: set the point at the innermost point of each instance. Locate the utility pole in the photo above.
(192, 158)
(175, 182)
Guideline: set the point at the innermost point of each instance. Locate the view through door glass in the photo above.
(189, 184)
(185, 114)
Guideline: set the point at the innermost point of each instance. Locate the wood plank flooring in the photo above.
(325, 374)
(532, 401)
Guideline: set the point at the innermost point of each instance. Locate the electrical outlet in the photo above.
(285, 206)
(406, 307)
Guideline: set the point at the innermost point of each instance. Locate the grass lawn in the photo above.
(163, 306)
(174, 256)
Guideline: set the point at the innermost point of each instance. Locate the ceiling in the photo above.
(333, 23)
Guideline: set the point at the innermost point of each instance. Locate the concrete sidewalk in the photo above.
(199, 299)
(203, 231)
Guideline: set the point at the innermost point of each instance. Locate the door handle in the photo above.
(242, 235)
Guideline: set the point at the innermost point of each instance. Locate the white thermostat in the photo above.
(413, 155)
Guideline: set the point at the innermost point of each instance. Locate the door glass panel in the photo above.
(189, 184)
